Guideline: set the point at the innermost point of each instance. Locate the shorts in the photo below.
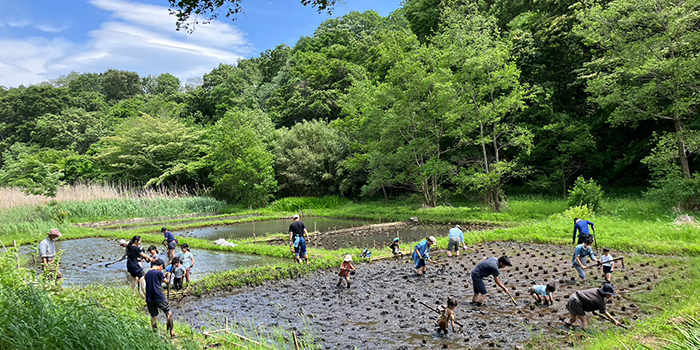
(574, 306)
(300, 249)
(607, 269)
(454, 243)
(479, 286)
(172, 245)
(154, 306)
(420, 263)
(134, 270)
(177, 283)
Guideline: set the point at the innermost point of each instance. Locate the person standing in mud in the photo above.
(170, 242)
(456, 240)
(582, 252)
(488, 267)
(155, 300)
(297, 238)
(421, 253)
(47, 252)
(582, 227)
(590, 300)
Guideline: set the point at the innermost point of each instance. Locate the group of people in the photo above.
(589, 300)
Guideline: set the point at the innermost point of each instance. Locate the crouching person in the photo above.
(154, 295)
(590, 300)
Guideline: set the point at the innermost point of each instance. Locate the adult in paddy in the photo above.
(421, 254)
(582, 227)
(590, 300)
(488, 267)
(298, 235)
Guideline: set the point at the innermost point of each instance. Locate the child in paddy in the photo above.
(345, 269)
(608, 264)
(394, 246)
(187, 260)
(154, 252)
(177, 271)
(543, 294)
(447, 316)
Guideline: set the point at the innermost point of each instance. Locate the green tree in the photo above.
(490, 92)
(423, 17)
(242, 166)
(647, 64)
(72, 129)
(164, 84)
(152, 151)
(307, 157)
(117, 85)
(32, 169)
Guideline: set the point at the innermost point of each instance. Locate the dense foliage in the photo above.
(443, 98)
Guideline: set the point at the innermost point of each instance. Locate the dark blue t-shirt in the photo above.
(486, 268)
(154, 286)
(169, 236)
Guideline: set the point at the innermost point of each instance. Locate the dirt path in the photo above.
(381, 310)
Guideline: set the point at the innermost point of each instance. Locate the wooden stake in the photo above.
(226, 340)
(296, 343)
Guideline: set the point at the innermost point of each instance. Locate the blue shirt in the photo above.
(154, 286)
(423, 249)
(582, 227)
(169, 236)
(582, 252)
(486, 268)
(540, 290)
(455, 232)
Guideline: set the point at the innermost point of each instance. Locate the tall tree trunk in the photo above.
(386, 198)
(685, 167)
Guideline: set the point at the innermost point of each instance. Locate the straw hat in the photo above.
(432, 239)
(55, 232)
(348, 258)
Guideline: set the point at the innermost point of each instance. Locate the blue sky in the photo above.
(44, 39)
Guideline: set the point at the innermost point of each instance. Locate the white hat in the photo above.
(348, 258)
(432, 239)
(459, 227)
(295, 217)
(123, 242)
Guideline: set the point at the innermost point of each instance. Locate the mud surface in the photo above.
(381, 309)
(83, 261)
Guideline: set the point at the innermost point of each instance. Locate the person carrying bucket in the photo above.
(421, 253)
(297, 238)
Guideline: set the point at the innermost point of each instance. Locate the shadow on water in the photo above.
(83, 261)
(261, 228)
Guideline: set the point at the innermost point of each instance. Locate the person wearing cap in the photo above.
(395, 249)
(47, 251)
(488, 267)
(582, 227)
(345, 269)
(421, 253)
(155, 300)
(456, 240)
(297, 238)
(170, 242)
(581, 254)
(590, 300)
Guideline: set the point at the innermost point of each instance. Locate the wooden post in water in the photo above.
(253, 229)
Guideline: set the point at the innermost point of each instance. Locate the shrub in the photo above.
(586, 192)
(581, 211)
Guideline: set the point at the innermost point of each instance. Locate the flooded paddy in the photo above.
(261, 228)
(382, 311)
(83, 261)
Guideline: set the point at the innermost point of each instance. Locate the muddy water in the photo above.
(83, 261)
(261, 228)
(378, 239)
(381, 310)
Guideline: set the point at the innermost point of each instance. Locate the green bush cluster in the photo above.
(586, 192)
(295, 204)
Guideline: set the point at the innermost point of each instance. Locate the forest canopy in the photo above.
(441, 100)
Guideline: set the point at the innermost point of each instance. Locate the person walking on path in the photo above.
(421, 253)
(170, 242)
(590, 300)
(155, 300)
(488, 267)
(581, 254)
(456, 240)
(133, 266)
(47, 252)
(297, 238)
(582, 227)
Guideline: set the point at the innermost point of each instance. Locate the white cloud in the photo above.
(49, 28)
(138, 37)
